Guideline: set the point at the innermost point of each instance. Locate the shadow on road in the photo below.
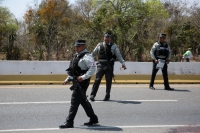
(182, 90)
(103, 128)
(176, 90)
(123, 102)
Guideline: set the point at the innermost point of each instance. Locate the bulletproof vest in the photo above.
(105, 52)
(74, 65)
(162, 50)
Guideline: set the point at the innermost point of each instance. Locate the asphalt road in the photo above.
(133, 108)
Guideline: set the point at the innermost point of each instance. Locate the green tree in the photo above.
(132, 23)
(189, 36)
(180, 28)
(45, 24)
(8, 29)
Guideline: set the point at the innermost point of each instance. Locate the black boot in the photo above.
(67, 125)
(107, 97)
(151, 87)
(169, 89)
(91, 122)
(92, 98)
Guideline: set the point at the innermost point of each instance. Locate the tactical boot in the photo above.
(107, 97)
(169, 89)
(151, 87)
(92, 98)
(67, 125)
(91, 122)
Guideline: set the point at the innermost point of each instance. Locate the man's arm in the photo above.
(67, 80)
(96, 50)
(170, 53)
(91, 65)
(153, 49)
(118, 55)
(191, 54)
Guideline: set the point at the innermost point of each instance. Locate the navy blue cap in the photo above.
(162, 35)
(107, 35)
(80, 42)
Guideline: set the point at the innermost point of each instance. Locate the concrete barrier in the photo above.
(53, 72)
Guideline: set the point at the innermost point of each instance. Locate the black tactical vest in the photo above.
(162, 50)
(74, 65)
(105, 52)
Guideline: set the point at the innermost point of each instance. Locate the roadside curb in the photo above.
(120, 79)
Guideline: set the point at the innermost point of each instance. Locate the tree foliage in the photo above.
(8, 29)
(45, 24)
(49, 32)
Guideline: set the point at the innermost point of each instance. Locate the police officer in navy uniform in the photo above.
(160, 50)
(83, 66)
(107, 53)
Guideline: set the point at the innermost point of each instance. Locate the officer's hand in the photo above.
(167, 61)
(65, 82)
(79, 79)
(156, 61)
(123, 66)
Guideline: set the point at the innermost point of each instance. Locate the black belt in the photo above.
(161, 58)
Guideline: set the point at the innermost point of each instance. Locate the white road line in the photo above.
(98, 127)
(139, 101)
(48, 102)
(64, 102)
(27, 130)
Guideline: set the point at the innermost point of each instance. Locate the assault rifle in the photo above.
(76, 83)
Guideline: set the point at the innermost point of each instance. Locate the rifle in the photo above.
(76, 84)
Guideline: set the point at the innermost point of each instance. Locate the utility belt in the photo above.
(105, 65)
(163, 58)
(105, 62)
(157, 58)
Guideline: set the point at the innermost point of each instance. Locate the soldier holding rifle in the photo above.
(81, 68)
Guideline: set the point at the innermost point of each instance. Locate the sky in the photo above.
(19, 7)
